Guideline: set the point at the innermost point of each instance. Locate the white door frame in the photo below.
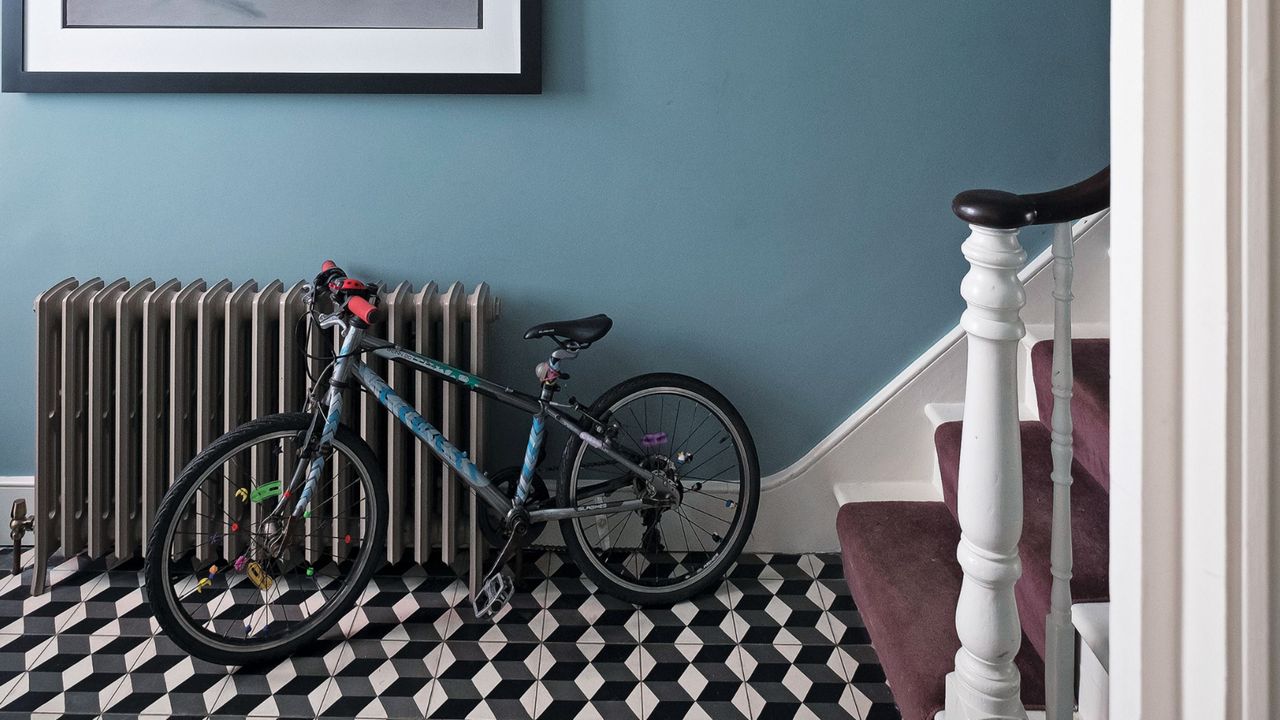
(1193, 520)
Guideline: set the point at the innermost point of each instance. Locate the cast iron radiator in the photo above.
(133, 379)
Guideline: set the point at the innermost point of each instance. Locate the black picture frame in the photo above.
(14, 76)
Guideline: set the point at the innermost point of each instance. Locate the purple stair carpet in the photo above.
(900, 557)
(903, 556)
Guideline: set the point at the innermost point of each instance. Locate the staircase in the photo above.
(900, 557)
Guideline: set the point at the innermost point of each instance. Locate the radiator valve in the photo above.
(20, 523)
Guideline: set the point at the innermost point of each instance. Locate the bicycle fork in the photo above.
(307, 474)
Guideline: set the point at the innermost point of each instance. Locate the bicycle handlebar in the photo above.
(363, 309)
(349, 293)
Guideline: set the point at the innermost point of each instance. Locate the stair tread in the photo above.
(900, 563)
(1089, 524)
(1090, 400)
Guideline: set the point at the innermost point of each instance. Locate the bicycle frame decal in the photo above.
(536, 433)
(450, 372)
(457, 459)
(473, 383)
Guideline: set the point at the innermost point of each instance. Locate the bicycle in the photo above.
(269, 534)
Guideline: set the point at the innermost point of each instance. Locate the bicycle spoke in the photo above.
(712, 535)
(696, 429)
(685, 535)
(639, 448)
(704, 512)
(647, 556)
(675, 426)
(683, 522)
(711, 479)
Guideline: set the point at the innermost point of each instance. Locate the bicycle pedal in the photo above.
(493, 595)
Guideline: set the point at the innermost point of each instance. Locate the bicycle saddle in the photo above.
(582, 331)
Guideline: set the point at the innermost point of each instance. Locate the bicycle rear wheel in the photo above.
(232, 576)
(685, 428)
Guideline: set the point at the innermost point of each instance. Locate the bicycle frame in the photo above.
(347, 366)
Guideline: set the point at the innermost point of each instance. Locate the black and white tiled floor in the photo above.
(781, 638)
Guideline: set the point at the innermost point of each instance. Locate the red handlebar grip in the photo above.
(362, 309)
(328, 265)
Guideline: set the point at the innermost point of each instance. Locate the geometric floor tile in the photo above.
(575, 612)
(164, 679)
(694, 681)
(781, 637)
(485, 679)
(826, 566)
(776, 566)
(519, 622)
(381, 678)
(780, 611)
(703, 620)
(116, 606)
(75, 673)
(589, 680)
(787, 678)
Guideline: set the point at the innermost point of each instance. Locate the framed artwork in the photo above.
(286, 46)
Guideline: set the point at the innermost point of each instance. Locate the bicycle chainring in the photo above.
(493, 526)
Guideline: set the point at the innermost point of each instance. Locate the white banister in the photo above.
(1060, 636)
(985, 684)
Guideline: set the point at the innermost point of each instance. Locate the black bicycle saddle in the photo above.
(582, 331)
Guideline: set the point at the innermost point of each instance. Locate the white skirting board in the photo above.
(11, 488)
(884, 450)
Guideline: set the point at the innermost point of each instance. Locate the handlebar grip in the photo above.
(362, 309)
(328, 265)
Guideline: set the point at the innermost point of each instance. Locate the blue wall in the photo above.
(757, 192)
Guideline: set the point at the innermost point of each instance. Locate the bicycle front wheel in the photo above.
(684, 428)
(233, 574)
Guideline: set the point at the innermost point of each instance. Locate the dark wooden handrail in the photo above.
(999, 209)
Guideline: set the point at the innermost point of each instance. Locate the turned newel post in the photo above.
(985, 683)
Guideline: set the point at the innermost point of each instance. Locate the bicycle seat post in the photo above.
(549, 372)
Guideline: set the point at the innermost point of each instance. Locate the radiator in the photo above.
(133, 379)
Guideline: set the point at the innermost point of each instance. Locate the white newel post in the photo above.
(1060, 640)
(985, 683)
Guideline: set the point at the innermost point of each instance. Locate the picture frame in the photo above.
(46, 49)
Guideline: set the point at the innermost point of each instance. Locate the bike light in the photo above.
(542, 371)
